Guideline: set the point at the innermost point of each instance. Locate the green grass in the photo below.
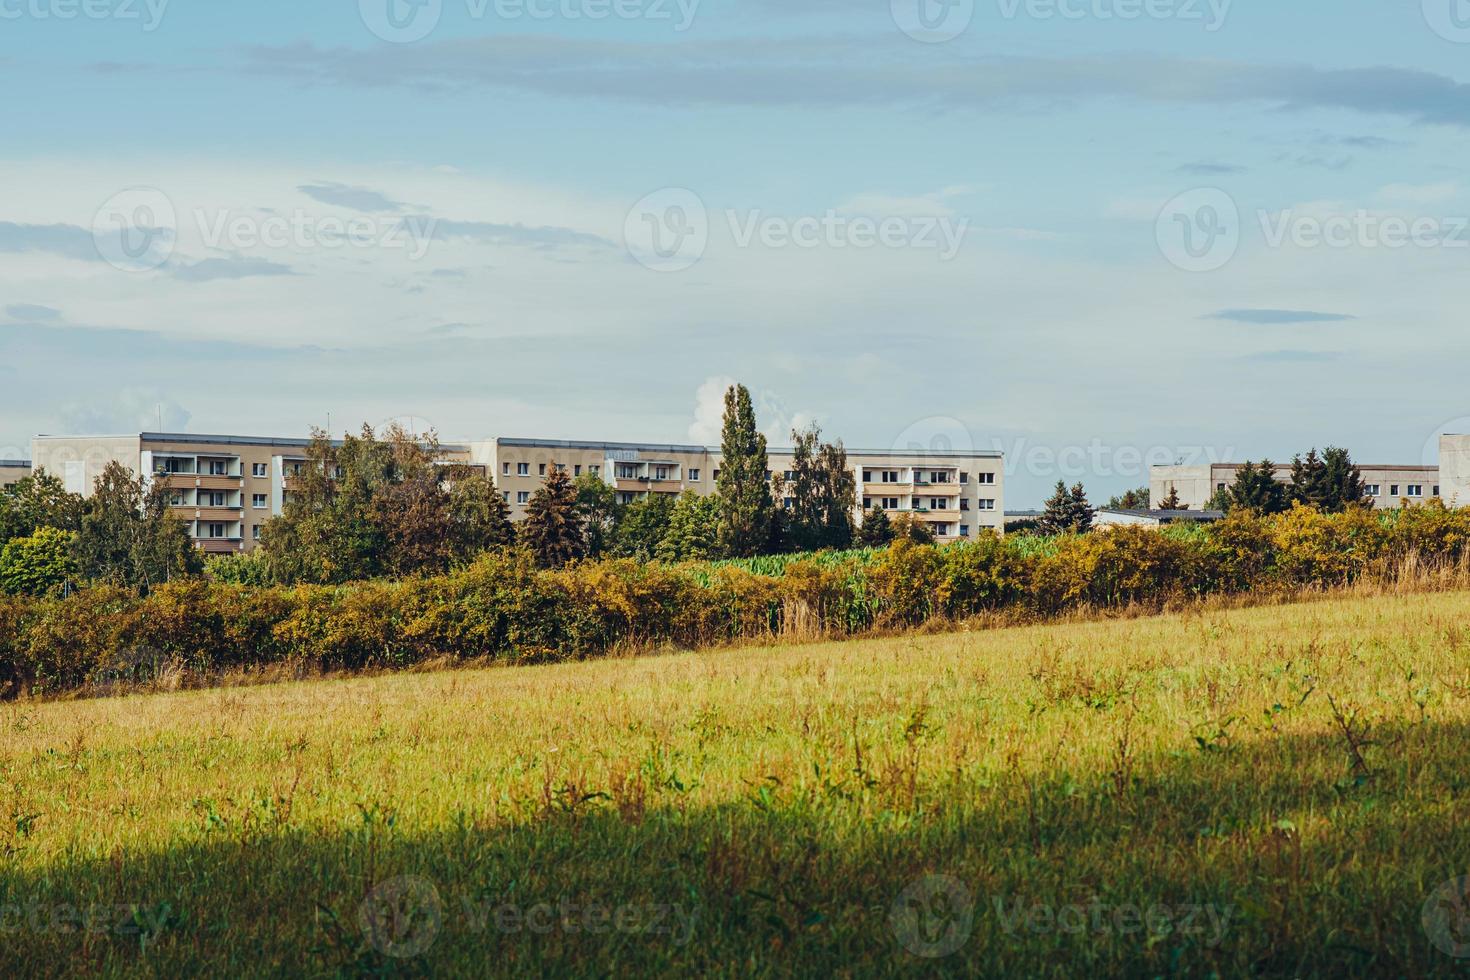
(1272, 791)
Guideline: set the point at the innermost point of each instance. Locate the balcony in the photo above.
(199, 481)
(219, 546)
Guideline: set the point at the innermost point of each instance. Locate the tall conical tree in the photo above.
(553, 528)
(1171, 501)
(1079, 511)
(746, 508)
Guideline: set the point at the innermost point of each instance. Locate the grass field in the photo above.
(1279, 791)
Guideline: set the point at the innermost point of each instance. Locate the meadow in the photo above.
(1273, 791)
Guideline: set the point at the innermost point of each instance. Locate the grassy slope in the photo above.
(784, 798)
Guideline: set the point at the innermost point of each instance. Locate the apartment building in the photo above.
(12, 471)
(1388, 486)
(224, 488)
(957, 494)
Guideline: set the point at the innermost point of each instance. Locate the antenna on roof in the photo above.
(159, 406)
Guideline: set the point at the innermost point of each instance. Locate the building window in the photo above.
(964, 504)
(577, 470)
(717, 475)
(523, 496)
(175, 499)
(889, 503)
(216, 530)
(964, 530)
(987, 479)
(626, 497)
(1372, 490)
(1436, 490)
(541, 469)
(693, 475)
(505, 469)
(255, 532)
(218, 467)
(627, 471)
(523, 469)
(594, 469)
(505, 495)
(1416, 489)
(660, 472)
(987, 505)
(964, 478)
(1393, 489)
(257, 469)
(257, 500)
(867, 476)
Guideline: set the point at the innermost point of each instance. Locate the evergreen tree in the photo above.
(479, 517)
(693, 533)
(1171, 501)
(876, 530)
(1131, 500)
(1309, 482)
(1256, 488)
(553, 528)
(1056, 517)
(1079, 511)
(746, 509)
(1342, 480)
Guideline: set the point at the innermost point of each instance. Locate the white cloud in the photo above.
(709, 411)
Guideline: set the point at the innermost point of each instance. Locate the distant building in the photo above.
(1109, 517)
(1388, 486)
(13, 471)
(1454, 467)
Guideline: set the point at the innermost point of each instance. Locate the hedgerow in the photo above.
(503, 607)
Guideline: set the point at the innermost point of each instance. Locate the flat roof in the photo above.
(219, 440)
(1178, 515)
(665, 447)
(15, 464)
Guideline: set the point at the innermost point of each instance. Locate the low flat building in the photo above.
(224, 488)
(956, 494)
(1109, 517)
(1387, 485)
(12, 471)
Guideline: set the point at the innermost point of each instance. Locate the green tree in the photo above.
(597, 502)
(908, 527)
(642, 526)
(129, 537)
(479, 517)
(876, 530)
(1342, 480)
(1067, 511)
(1309, 481)
(1171, 500)
(694, 528)
(746, 509)
(39, 564)
(553, 526)
(1256, 488)
(37, 501)
(1131, 500)
(823, 493)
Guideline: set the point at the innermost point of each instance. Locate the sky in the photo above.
(1092, 234)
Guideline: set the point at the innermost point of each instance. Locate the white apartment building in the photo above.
(1388, 486)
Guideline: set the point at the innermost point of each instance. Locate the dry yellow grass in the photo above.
(1295, 776)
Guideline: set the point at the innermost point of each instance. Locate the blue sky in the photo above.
(499, 167)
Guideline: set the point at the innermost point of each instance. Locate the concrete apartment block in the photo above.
(223, 487)
(1454, 469)
(1389, 486)
(13, 471)
(957, 494)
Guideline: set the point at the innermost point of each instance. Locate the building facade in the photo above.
(956, 494)
(12, 471)
(1388, 486)
(1454, 469)
(224, 488)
